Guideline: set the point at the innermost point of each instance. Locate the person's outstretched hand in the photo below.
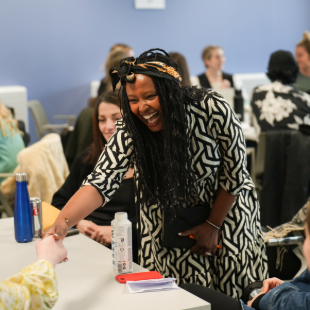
(101, 234)
(51, 250)
(59, 229)
(207, 239)
(269, 284)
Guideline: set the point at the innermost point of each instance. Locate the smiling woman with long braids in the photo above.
(188, 150)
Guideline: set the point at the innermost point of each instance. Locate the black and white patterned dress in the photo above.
(218, 151)
(277, 106)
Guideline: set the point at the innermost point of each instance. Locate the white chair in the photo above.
(248, 81)
(94, 86)
(42, 125)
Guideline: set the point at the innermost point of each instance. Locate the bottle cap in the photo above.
(21, 176)
(120, 216)
(36, 201)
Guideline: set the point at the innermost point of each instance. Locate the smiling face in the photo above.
(217, 60)
(108, 114)
(144, 102)
(302, 57)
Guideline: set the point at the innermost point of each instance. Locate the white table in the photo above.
(86, 281)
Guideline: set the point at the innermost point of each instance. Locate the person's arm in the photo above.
(206, 234)
(99, 186)
(35, 287)
(78, 173)
(284, 295)
(226, 130)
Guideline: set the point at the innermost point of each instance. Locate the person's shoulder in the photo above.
(80, 158)
(301, 95)
(264, 88)
(208, 98)
(120, 124)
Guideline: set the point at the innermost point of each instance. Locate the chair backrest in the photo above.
(38, 116)
(45, 164)
(261, 154)
(94, 86)
(248, 81)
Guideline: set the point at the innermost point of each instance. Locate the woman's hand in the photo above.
(207, 239)
(101, 234)
(269, 284)
(51, 250)
(59, 229)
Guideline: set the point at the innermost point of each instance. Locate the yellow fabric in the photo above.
(34, 288)
(49, 215)
(45, 165)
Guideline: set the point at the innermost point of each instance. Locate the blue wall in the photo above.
(55, 48)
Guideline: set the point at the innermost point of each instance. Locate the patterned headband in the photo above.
(128, 68)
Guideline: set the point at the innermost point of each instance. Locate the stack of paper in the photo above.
(152, 285)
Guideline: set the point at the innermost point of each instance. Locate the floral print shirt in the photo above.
(279, 106)
(34, 288)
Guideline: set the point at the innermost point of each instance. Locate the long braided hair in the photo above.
(163, 158)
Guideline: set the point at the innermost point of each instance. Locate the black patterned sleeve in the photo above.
(112, 164)
(226, 130)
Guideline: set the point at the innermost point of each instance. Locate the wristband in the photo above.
(213, 225)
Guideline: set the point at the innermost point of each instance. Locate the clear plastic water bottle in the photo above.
(121, 233)
(23, 219)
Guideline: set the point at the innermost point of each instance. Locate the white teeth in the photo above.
(153, 121)
(149, 116)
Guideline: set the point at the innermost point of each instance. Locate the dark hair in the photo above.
(282, 67)
(180, 60)
(162, 158)
(308, 216)
(98, 141)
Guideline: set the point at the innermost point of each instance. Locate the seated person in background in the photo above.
(11, 141)
(280, 105)
(117, 52)
(97, 225)
(214, 59)
(294, 295)
(35, 287)
(302, 54)
(180, 60)
(80, 137)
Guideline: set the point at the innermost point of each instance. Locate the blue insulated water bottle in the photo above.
(23, 218)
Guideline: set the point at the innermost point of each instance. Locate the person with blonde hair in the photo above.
(11, 141)
(302, 54)
(117, 52)
(214, 58)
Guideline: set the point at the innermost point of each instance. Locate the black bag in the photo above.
(184, 219)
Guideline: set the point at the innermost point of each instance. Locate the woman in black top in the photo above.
(214, 59)
(97, 225)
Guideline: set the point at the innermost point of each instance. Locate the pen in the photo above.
(192, 237)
